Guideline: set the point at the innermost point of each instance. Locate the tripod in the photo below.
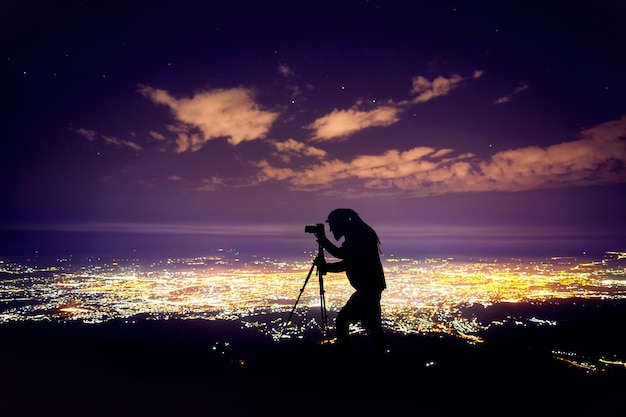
(324, 323)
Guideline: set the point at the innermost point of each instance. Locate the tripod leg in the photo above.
(323, 308)
(297, 300)
(324, 323)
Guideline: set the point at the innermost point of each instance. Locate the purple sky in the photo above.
(472, 120)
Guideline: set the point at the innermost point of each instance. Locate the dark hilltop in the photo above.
(197, 367)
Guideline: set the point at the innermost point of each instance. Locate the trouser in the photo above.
(364, 307)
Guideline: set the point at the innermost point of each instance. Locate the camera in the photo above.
(316, 229)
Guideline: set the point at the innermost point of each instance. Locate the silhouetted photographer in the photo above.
(359, 258)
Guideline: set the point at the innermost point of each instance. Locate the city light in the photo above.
(423, 295)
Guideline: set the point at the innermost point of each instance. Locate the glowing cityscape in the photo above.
(423, 295)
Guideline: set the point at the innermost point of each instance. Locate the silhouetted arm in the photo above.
(325, 267)
(336, 266)
(335, 251)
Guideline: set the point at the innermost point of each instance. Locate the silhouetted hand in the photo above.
(321, 239)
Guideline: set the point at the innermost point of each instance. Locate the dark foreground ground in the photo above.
(196, 368)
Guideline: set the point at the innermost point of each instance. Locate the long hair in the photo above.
(351, 217)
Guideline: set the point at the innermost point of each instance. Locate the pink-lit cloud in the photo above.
(209, 184)
(221, 113)
(341, 123)
(391, 164)
(509, 97)
(235, 115)
(285, 71)
(92, 136)
(596, 156)
(286, 150)
(121, 143)
(156, 135)
(426, 90)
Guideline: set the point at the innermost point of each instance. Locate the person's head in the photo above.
(340, 221)
(346, 222)
(343, 222)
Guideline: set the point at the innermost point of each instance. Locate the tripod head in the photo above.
(320, 262)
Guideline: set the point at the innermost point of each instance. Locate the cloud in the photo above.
(285, 71)
(509, 97)
(185, 140)
(292, 148)
(391, 164)
(234, 114)
(209, 184)
(597, 156)
(121, 143)
(92, 135)
(426, 90)
(156, 135)
(268, 172)
(341, 123)
(441, 152)
(230, 113)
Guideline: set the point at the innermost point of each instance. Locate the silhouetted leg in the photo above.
(378, 340)
(342, 323)
(372, 321)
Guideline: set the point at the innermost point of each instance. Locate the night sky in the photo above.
(436, 121)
